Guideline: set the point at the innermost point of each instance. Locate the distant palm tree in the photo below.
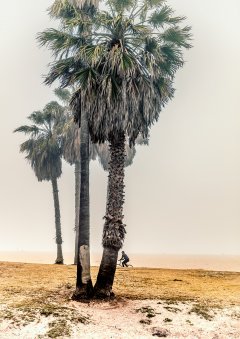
(44, 151)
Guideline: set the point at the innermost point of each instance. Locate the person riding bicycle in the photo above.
(124, 259)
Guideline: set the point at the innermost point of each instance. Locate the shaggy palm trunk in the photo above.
(84, 287)
(114, 229)
(59, 259)
(77, 207)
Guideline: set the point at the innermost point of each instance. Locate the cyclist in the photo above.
(124, 259)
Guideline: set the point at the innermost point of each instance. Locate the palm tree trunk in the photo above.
(77, 207)
(59, 259)
(84, 287)
(114, 229)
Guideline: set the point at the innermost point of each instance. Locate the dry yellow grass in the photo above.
(31, 284)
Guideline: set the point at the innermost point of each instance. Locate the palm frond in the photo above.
(121, 5)
(34, 130)
(160, 17)
(61, 43)
(64, 71)
(62, 9)
(36, 117)
(63, 94)
(84, 3)
(178, 36)
(155, 3)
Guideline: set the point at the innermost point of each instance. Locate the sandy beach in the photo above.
(131, 319)
(36, 303)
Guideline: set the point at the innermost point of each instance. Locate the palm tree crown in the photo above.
(43, 148)
(124, 70)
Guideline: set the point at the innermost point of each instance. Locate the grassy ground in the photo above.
(28, 281)
(30, 290)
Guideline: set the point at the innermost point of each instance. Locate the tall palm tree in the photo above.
(67, 11)
(124, 74)
(129, 67)
(43, 151)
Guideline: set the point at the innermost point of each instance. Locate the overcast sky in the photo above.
(182, 191)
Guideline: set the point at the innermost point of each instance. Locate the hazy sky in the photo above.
(182, 191)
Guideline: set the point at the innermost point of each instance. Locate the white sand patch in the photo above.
(129, 319)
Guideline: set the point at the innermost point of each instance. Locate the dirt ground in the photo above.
(35, 302)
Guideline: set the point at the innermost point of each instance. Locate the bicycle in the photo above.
(121, 265)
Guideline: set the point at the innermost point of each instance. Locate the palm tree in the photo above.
(124, 74)
(129, 70)
(67, 11)
(43, 151)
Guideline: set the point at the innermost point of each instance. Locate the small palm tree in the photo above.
(43, 150)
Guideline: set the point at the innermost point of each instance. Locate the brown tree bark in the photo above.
(59, 259)
(114, 229)
(77, 208)
(84, 287)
